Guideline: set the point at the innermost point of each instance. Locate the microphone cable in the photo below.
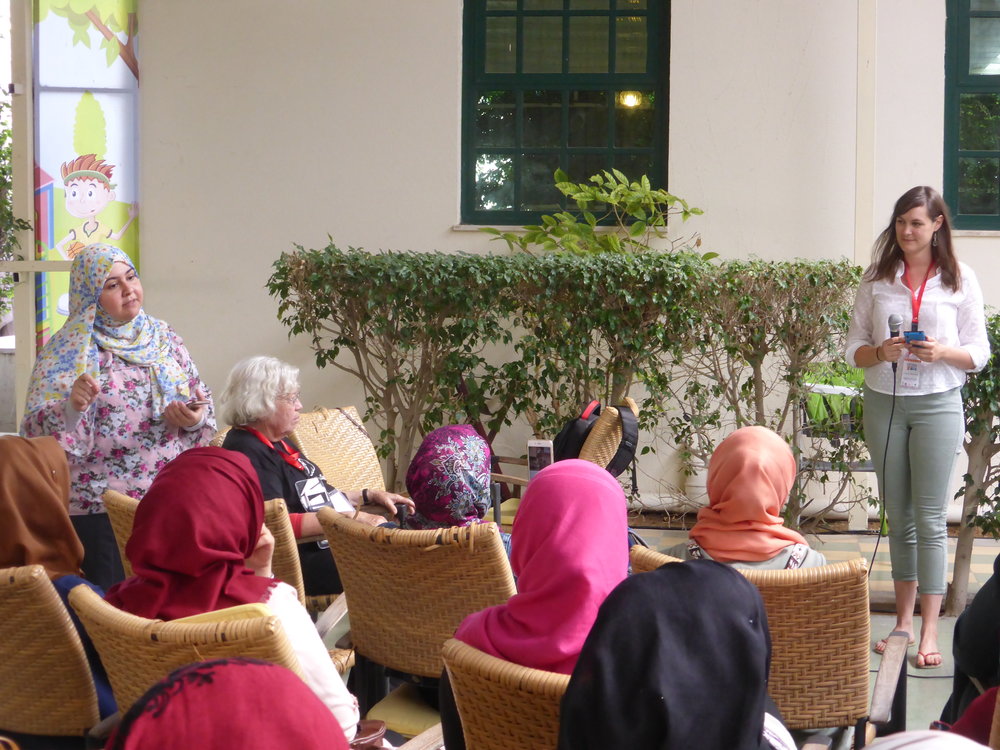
(883, 527)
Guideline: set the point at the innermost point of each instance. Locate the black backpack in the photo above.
(570, 440)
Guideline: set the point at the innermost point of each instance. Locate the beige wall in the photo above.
(267, 124)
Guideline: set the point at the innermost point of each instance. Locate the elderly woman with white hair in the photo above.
(261, 402)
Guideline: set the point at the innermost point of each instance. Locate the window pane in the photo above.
(635, 165)
(634, 118)
(543, 4)
(501, 45)
(631, 4)
(588, 118)
(581, 168)
(984, 5)
(501, 4)
(589, 4)
(542, 118)
(542, 45)
(978, 180)
(538, 191)
(984, 46)
(495, 119)
(588, 45)
(979, 122)
(494, 182)
(630, 49)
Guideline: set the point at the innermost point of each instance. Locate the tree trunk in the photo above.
(979, 450)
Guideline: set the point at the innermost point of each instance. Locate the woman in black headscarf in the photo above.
(678, 658)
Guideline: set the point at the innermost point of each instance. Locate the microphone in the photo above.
(895, 323)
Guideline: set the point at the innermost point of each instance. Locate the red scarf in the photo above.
(193, 530)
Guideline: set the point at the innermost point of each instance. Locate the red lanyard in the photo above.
(916, 296)
(291, 457)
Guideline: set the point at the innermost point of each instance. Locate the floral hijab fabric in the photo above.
(449, 479)
(75, 348)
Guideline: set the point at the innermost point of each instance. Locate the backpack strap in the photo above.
(629, 442)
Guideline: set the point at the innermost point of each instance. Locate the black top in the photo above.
(303, 490)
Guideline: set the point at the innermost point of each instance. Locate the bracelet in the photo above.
(364, 496)
(877, 357)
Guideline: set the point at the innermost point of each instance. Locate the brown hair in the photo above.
(887, 254)
(98, 169)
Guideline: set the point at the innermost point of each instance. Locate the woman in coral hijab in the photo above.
(199, 544)
(749, 478)
(569, 549)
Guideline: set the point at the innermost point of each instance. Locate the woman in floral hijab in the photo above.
(449, 479)
(118, 390)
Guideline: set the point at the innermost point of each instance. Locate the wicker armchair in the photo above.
(137, 652)
(409, 590)
(599, 448)
(338, 443)
(502, 704)
(46, 686)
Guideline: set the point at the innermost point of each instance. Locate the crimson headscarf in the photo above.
(569, 548)
(749, 478)
(193, 530)
(242, 703)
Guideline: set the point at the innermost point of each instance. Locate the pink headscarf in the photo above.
(569, 550)
(749, 478)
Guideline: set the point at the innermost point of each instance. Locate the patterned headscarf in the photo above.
(75, 348)
(449, 479)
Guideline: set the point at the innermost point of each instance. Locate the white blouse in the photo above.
(953, 318)
(317, 668)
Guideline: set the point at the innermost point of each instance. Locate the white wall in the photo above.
(264, 125)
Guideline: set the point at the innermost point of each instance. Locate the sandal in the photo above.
(881, 644)
(922, 660)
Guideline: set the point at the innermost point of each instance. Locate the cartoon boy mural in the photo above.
(88, 192)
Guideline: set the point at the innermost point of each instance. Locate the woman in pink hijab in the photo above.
(749, 478)
(569, 549)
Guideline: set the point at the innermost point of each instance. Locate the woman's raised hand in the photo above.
(84, 392)
(260, 559)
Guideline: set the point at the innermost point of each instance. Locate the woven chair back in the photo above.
(818, 608)
(644, 559)
(121, 513)
(407, 591)
(45, 682)
(503, 705)
(219, 438)
(137, 652)
(606, 434)
(285, 562)
(338, 443)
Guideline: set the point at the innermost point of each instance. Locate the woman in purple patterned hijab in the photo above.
(449, 479)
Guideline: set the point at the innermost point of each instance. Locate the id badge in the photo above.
(910, 378)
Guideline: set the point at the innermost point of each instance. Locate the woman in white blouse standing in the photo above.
(913, 414)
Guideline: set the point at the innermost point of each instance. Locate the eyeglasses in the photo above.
(289, 398)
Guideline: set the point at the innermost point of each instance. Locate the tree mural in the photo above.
(109, 17)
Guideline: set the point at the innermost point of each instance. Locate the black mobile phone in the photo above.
(195, 404)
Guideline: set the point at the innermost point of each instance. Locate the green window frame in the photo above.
(972, 113)
(580, 85)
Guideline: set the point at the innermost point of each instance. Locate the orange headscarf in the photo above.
(34, 505)
(749, 477)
